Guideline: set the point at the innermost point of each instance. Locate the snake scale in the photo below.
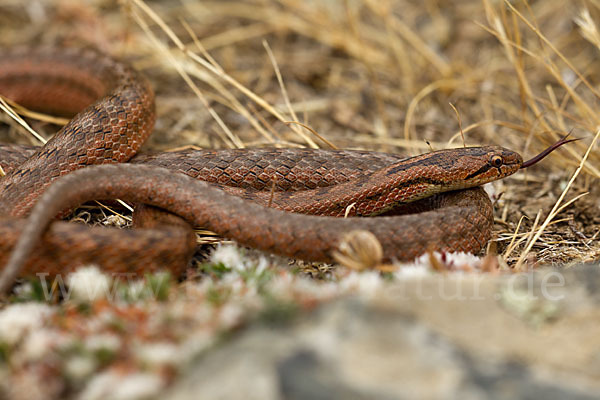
(257, 197)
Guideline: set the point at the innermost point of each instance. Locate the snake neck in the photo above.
(365, 196)
(403, 182)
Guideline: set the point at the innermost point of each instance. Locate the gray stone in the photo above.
(527, 336)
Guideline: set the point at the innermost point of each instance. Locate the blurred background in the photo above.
(394, 76)
(398, 76)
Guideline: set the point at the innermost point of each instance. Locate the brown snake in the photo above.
(118, 115)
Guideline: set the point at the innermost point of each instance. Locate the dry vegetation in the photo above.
(388, 75)
(396, 76)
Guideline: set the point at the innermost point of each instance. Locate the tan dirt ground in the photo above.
(380, 75)
(398, 76)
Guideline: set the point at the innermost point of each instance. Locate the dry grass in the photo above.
(387, 75)
(383, 75)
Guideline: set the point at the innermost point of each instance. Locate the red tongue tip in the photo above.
(549, 150)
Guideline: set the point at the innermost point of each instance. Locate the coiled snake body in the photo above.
(118, 115)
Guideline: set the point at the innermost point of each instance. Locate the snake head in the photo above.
(486, 164)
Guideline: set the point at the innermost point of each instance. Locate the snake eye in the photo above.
(497, 161)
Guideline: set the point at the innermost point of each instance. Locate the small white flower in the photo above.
(460, 259)
(24, 289)
(262, 265)
(232, 282)
(18, 320)
(89, 284)
(421, 266)
(228, 255)
(230, 314)
(313, 288)
(412, 270)
(281, 285)
(137, 290)
(122, 387)
(104, 341)
(80, 367)
(364, 282)
(39, 343)
(158, 354)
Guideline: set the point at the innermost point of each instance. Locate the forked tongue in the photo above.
(549, 150)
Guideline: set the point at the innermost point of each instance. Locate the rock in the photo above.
(526, 336)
